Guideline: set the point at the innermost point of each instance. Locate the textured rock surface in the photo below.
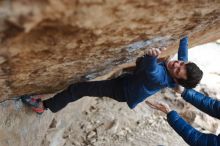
(47, 44)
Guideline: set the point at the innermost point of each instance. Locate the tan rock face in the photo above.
(49, 44)
(45, 45)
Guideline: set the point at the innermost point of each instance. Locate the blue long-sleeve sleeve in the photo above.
(190, 135)
(202, 102)
(183, 49)
(148, 63)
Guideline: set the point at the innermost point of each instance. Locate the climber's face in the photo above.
(177, 69)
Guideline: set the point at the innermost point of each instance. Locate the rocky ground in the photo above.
(93, 121)
(105, 122)
(108, 123)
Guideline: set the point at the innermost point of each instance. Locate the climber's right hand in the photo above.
(155, 51)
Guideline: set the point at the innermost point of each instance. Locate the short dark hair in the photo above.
(194, 75)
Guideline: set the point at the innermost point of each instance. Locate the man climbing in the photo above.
(192, 136)
(148, 78)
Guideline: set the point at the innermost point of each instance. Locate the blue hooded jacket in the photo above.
(150, 77)
(192, 136)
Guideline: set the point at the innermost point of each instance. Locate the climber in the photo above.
(147, 79)
(192, 136)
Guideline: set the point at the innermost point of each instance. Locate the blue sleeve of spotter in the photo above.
(202, 102)
(189, 134)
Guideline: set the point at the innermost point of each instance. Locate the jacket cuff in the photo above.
(188, 94)
(184, 40)
(183, 94)
(172, 113)
(172, 116)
